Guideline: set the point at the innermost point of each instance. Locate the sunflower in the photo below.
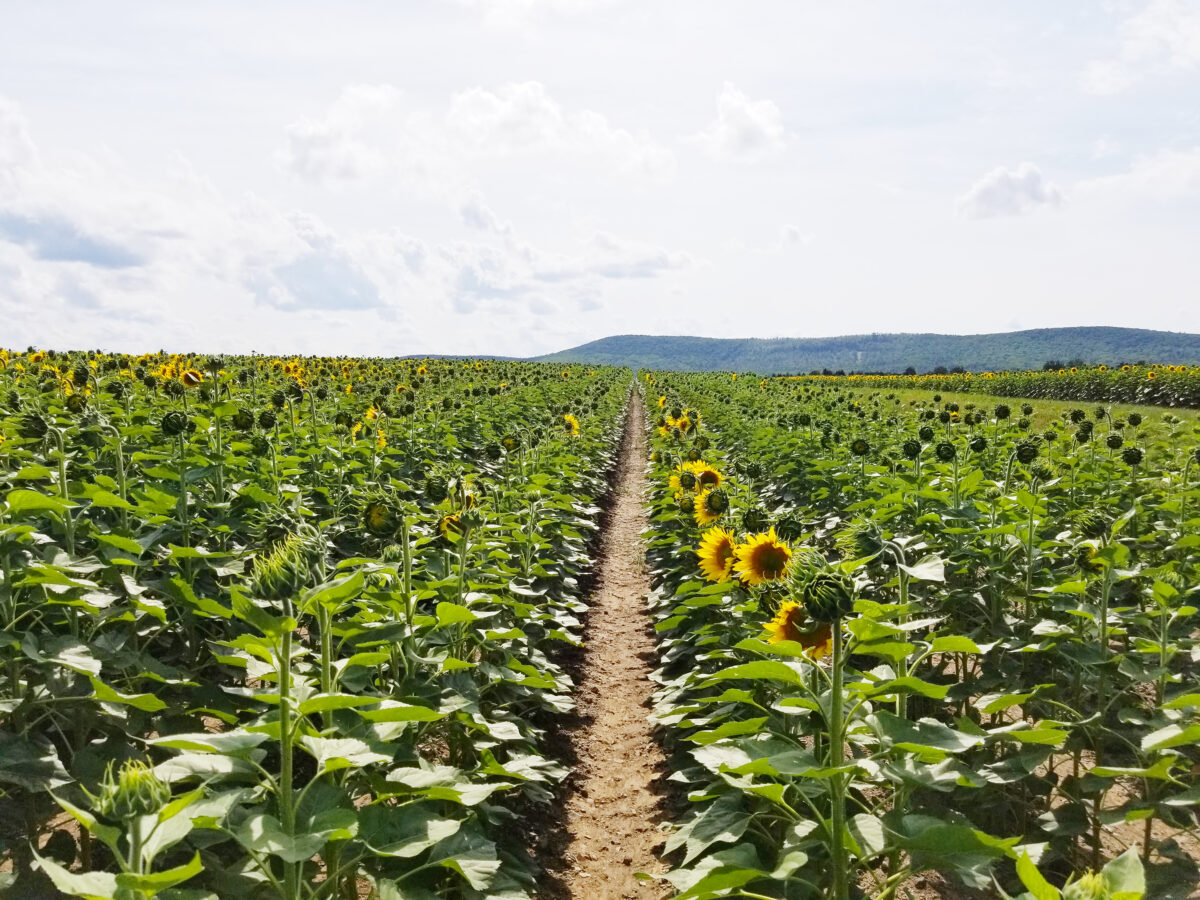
(711, 504)
(378, 518)
(683, 479)
(571, 424)
(662, 401)
(763, 558)
(191, 378)
(706, 475)
(717, 552)
(450, 526)
(789, 625)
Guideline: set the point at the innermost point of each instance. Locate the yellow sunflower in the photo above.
(450, 526)
(717, 552)
(191, 378)
(763, 558)
(791, 624)
(571, 424)
(706, 475)
(711, 504)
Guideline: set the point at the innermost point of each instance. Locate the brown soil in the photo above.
(613, 804)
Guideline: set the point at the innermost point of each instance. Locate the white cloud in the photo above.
(1162, 34)
(334, 147)
(1166, 176)
(1009, 192)
(368, 132)
(523, 117)
(16, 146)
(744, 130)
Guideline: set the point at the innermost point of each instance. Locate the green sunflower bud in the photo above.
(132, 791)
(1026, 453)
(33, 427)
(1132, 456)
(174, 423)
(946, 451)
(285, 571)
(1092, 886)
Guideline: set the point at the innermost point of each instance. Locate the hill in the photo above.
(889, 352)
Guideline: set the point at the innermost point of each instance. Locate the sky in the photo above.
(515, 177)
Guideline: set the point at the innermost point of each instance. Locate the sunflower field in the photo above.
(907, 644)
(287, 627)
(1160, 385)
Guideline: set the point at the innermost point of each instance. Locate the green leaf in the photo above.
(1125, 877)
(406, 831)
(395, 711)
(766, 669)
(144, 702)
(33, 766)
(109, 500)
(453, 614)
(931, 568)
(1171, 736)
(470, 854)
(33, 501)
(722, 821)
(1038, 886)
(333, 754)
(160, 881)
(89, 885)
(953, 643)
(925, 736)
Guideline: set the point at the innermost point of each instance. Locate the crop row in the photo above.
(903, 639)
(287, 628)
(1153, 385)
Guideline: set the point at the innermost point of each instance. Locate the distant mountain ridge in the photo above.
(1029, 349)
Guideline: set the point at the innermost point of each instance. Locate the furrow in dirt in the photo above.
(613, 805)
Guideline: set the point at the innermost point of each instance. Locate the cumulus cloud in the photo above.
(1009, 192)
(334, 146)
(1162, 34)
(368, 132)
(523, 117)
(16, 146)
(744, 130)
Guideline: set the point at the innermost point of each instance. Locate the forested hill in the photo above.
(890, 352)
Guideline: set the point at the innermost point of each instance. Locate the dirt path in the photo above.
(613, 805)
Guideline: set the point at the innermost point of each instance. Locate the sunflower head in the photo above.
(450, 526)
(1135, 419)
(860, 447)
(711, 505)
(1114, 441)
(762, 558)
(131, 791)
(687, 480)
(717, 554)
(286, 570)
(861, 539)
(174, 423)
(687, 504)
(911, 448)
(754, 519)
(946, 451)
(378, 517)
(243, 420)
(791, 624)
(1132, 456)
(1026, 452)
(827, 594)
(978, 444)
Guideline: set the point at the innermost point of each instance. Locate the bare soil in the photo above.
(606, 831)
